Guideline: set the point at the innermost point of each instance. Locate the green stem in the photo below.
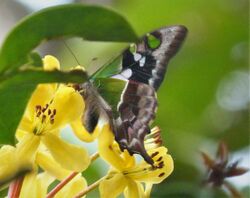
(89, 188)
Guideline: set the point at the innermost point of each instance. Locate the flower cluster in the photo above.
(41, 158)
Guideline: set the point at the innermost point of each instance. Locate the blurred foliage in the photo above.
(189, 114)
(216, 28)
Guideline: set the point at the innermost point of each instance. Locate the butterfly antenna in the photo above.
(71, 52)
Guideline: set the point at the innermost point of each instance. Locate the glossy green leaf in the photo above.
(89, 22)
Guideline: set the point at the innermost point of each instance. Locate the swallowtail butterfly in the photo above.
(124, 90)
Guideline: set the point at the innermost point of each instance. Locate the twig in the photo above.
(15, 187)
(89, 188)
(55, 190)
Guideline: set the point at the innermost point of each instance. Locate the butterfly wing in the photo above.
(133, 106)
(147, 60)
(142, 68)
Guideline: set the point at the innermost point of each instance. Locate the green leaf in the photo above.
(30, 76)
(35, 59)
(15, 91)
(89, 22)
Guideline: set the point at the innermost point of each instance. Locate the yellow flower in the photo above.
(127, 175)
(50, 108)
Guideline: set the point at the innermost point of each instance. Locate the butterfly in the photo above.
(124, 90)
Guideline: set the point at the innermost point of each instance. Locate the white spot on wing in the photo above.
(137, 56)
(127, 73)
(142, 61)
(124, 75)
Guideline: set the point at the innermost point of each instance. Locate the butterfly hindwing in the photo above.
(136, 109)
(138, 73)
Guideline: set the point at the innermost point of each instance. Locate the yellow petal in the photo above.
(69, 106)
(72, 188)
(20, 134)
(44, 180)
(106, 150)
(112, 186)
(133, 190)
(48, 164)
(82, 133)
(35, 186)
(148, 189)
(42, 95)
(69, 156)
(50, 63)
(8, 167)
(130, 160)
(25, 126)
(29, 187)
(27, 148)
(145, 173)
(78, 67)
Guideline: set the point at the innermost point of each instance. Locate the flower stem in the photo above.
(89, 188)
(15, 188)
(55, 190)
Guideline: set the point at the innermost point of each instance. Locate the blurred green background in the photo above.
(205, 95)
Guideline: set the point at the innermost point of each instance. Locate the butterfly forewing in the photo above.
(148, 61)
(131, 84)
